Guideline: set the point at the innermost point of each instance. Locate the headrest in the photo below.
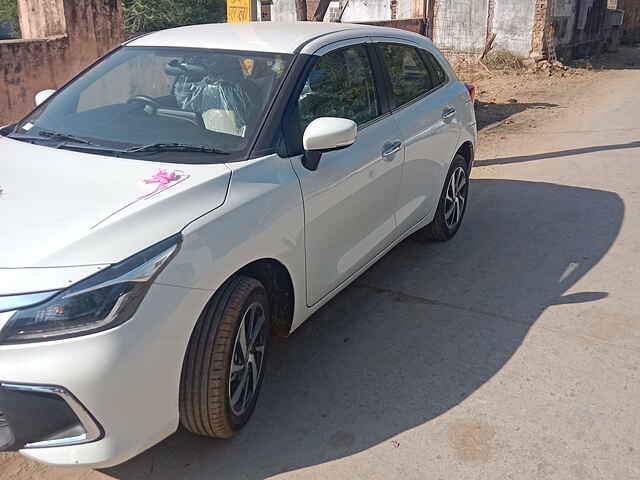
(193, 71)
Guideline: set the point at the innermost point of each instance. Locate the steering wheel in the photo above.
(148, 101)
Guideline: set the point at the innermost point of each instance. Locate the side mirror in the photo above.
(325, 134)
(43, 95)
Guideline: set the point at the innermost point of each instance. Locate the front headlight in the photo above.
(105, 300)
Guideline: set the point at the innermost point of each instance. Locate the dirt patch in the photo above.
(510, 101)
(504, 95)
(473, 441)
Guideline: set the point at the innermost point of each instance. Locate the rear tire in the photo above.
(452, 204)
(222, 374)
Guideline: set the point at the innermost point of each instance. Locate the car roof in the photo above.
(278, 37)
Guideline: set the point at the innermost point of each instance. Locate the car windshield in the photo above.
(171, 99)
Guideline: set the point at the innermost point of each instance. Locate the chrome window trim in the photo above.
(92, 431)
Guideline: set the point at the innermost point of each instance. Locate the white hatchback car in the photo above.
(192, 193)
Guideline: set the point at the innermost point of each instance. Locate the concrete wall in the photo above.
(60, 38)
(285, 11)
(357, 10)
(513, 25)
(409, 9)
(460, 25)
(367, 10)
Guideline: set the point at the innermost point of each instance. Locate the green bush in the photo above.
(150, 15)
(9, 10)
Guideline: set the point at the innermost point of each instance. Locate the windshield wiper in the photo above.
(153, 147)
(64, 137)
(175, 147)
(46, 135)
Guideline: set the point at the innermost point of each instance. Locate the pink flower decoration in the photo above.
(163, 178)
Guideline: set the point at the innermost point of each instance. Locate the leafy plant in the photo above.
(150, 15)
(9, 10)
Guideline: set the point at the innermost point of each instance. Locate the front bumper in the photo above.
(126, 380)
(42, 416)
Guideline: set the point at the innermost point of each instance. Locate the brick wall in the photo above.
(539, 28)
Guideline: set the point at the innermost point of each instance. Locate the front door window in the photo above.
(340, 85)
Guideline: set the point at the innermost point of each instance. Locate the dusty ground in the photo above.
(503, 94)
(511, 352)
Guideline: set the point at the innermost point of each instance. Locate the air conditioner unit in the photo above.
(615, 17)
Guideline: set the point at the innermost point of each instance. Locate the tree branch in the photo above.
(321, 10)
(301, 10)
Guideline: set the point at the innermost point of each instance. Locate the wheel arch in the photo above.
(277, 280)
(467, 151)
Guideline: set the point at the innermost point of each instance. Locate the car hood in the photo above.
(61, 208)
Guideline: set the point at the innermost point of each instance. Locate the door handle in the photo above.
(390, 149)
(448, 112)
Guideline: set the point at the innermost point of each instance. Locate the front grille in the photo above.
(3, 420)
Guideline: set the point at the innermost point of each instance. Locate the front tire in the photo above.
(225, 360)
(452, 204)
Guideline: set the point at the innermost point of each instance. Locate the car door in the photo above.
(423, 106)
(350, 199)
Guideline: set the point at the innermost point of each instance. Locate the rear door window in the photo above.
(438, 75)
(408, 73)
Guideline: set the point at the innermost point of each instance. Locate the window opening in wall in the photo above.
(265, 10)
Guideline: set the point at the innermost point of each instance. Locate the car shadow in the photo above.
(561, 153)
(415, 336)
(491, 113)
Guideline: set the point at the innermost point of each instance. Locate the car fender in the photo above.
(262, 218)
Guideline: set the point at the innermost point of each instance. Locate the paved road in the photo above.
(511, 352)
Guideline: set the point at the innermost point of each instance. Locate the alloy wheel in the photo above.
(455, 198)
(247, 359)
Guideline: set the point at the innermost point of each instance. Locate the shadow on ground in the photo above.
(558, 154)
(627, 57)
(489, 113)
(416, 335)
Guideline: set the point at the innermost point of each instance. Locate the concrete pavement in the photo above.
(511, 352)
